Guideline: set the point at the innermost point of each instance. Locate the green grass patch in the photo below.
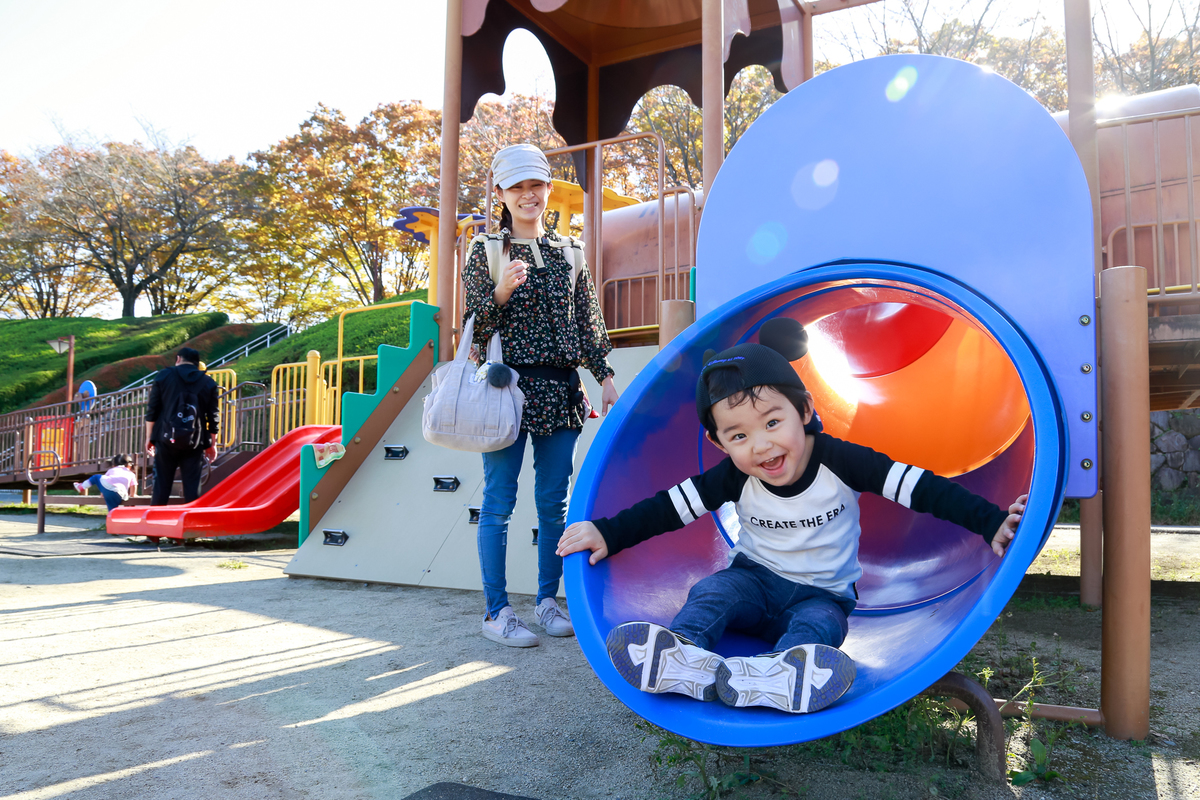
(1180, 507)
(29, 368)
(364, 332)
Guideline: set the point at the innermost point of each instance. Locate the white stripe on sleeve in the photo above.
(907, 485)
(681, 506)
(693, 497)
(891, 486)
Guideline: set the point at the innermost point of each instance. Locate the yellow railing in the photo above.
(290, 391)
(336, 383)
(227, 408)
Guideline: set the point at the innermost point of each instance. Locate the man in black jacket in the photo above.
(181, 426)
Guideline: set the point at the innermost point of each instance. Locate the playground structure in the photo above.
(925, 307)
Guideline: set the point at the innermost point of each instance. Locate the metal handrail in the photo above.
(341, 358)
(261, 343)
(1161, 293)
(596, 236)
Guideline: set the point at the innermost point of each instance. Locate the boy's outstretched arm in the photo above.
(581, 536)
(1008, 529)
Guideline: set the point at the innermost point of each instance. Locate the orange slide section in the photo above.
(257, 497)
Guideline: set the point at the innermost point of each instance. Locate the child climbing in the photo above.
(791, 578)
(114, 485)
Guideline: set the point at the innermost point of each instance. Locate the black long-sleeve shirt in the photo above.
(808, 531)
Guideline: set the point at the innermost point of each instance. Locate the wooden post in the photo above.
(448, 199)
(712, 94)
(1125, 629)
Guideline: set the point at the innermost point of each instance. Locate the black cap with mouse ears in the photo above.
(780, 341)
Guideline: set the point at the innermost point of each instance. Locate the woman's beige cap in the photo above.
(519, 162)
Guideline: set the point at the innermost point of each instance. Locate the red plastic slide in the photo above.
(255, 498)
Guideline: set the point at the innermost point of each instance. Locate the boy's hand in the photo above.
(1009, 527)
(581, 536)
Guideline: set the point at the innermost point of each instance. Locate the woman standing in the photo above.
(550, 324)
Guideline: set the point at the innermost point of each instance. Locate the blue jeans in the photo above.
(752, 599)
(553, 463)
(111, 498)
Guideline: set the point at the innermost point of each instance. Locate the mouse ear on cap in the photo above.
(708, 356)
(785, 336)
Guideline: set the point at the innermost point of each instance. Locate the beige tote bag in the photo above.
(467, 412)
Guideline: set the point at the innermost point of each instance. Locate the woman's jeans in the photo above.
(752, 599)
(111, 498)
(553, 463)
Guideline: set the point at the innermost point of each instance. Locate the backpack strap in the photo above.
(493, 243)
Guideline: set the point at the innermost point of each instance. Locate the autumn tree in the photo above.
(1163, 50)
(130, 211)
(669, 112)
(497, 124)
(332, 190)
(40, 276)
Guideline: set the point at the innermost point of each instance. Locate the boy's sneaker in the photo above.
(553, 621)
(79, 487)
(656, 660)
(508, 629)
(801, 680)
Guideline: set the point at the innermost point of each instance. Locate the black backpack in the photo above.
(183, 429)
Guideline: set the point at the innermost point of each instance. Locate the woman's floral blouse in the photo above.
(541, 324)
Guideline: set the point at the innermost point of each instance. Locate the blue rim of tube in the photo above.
(1046, 493)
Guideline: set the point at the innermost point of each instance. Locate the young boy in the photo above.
(792, 576)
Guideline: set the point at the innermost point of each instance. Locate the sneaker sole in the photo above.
(650, 658)
(560, 634)
(801, 680)
(508, 641)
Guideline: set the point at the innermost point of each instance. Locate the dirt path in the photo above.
(168, 674)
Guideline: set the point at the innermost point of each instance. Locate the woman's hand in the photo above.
(515, 274)
(608, 395)
(580, 536)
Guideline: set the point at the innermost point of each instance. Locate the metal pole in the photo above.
(1081, 105)
(448, 199)
(1125, 629)
(712, 95)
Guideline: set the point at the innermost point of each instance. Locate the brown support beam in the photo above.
(712, 95)
(448, 198)
(1125, 629)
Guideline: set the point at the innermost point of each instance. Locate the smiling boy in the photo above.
(791, 578)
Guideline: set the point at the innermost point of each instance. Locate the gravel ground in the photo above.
(168, 674)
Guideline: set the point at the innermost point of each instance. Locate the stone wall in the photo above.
(1175, 449)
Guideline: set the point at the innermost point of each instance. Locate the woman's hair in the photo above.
(120, 460)
(506, 225)
(721, 380)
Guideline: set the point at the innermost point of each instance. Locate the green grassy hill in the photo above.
(29, 368)
(363, 335)
(113, 353)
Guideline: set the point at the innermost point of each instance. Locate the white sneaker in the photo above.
(655, 659)
(552, 619)
(79, 487)
(508, 629)
(800, 680)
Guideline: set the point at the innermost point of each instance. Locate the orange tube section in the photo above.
(951, 407)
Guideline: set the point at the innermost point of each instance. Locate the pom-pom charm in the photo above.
(498, 375)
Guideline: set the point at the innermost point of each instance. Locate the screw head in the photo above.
(1086, 416)
(1086, 368)
(1086, 463)
(1085, 320)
